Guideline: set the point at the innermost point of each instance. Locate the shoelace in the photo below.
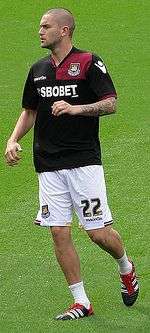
(127, 281)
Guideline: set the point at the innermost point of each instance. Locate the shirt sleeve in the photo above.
(30, 96)
(99, 79)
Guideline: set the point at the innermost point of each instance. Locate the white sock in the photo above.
(125, 265)
(79, 294)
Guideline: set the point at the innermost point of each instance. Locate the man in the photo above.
(64, 95)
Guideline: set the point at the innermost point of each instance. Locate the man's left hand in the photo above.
(62, 107)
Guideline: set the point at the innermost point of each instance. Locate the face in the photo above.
(50, 32)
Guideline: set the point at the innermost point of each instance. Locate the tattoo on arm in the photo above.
(101, 108)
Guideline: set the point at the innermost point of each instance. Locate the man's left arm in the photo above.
(104, 107)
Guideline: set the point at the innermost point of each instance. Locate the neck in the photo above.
(60, 52)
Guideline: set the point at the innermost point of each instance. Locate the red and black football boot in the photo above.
(129, 287)
(76, 311)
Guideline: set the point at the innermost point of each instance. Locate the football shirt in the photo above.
(66, 141)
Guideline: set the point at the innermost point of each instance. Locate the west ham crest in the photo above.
(74, 69)
(45, 212)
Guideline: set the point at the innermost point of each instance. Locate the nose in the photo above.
(40, 31)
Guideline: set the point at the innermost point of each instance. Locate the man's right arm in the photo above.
(24, 124)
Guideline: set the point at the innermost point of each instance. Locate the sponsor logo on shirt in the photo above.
(74, 69)
(67, 90)
(40, 78)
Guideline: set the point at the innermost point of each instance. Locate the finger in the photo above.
(59, 103)
(14, 151)
(57, 106)
(12, 163)
(9, 157)
(19, 148)
(12, 157)
(57, 109)
(60, 113)
(15, 155)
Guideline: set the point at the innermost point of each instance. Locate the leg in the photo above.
(66, 254)
(68, 260)
(56, 213)
(109, 240)
(90, 202)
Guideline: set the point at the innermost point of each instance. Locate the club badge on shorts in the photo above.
(74, 69)
(45, 212)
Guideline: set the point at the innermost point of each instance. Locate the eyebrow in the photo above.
(44, 25)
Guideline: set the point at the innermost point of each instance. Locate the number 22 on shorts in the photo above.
(91, 207)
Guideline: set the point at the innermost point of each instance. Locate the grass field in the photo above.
(32, 288)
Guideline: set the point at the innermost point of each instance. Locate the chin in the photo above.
(45, 46)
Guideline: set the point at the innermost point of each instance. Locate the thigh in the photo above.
(88, 191)
(55, 200)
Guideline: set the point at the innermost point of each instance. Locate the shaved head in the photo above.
(63, 17)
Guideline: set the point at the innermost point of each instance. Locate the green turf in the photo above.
(32, 288)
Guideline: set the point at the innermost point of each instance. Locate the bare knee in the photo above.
(61, 236)
(100, 236)
(109, 240)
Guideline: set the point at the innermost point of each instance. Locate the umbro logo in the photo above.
(40, 78)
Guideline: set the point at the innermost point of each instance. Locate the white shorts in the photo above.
(81, 189)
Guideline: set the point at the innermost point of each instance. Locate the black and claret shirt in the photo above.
(66, 141)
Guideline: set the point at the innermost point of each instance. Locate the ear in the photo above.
(65, 31)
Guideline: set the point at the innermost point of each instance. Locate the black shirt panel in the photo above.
(99, 79)
(30, 96)
(66, 141)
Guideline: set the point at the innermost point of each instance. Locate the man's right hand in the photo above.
(11, 153)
